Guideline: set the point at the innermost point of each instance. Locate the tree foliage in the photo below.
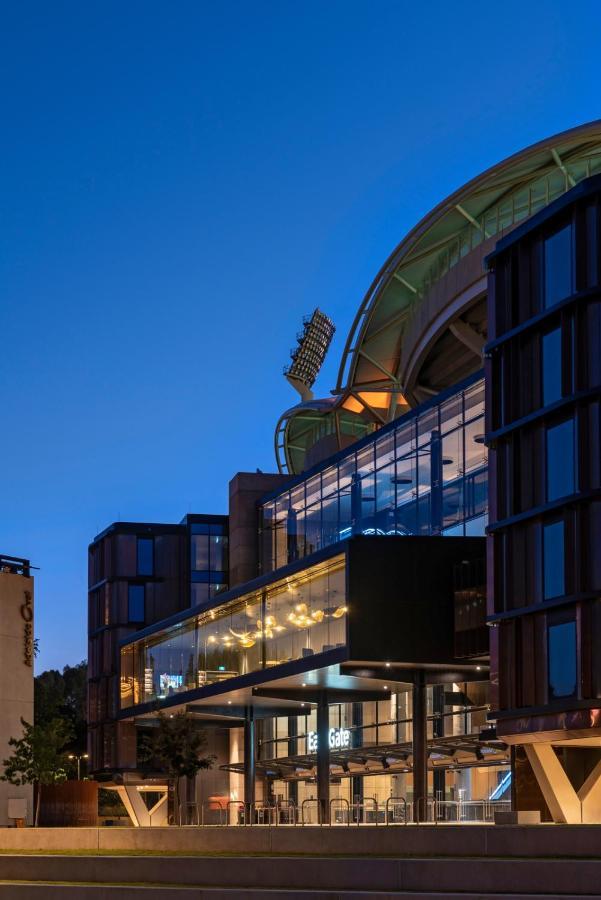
(38, 756)
(62, 695)
(177, 747)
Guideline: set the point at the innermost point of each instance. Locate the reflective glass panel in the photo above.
(145, 556)
(135, 603)
(558, 266)
(551, 366)
(560, 460)
(562, 660)
(553, 560)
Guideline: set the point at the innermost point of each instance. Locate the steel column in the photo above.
(420, 749)
(249, 762)
(323, 757)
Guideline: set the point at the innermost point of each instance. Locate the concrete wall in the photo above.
(16, 675)
(541, 841)
(246, 488)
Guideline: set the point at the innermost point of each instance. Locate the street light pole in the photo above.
(78, 757)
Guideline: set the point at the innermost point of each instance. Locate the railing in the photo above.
(339, 812)
(14, 565)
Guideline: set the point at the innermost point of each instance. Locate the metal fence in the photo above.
(339, 812)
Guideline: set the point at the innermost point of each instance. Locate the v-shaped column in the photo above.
(565, 804)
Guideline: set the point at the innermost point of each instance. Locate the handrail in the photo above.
(396, 801)
(342, 800)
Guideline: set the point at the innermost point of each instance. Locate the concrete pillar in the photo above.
(249, 762)
(420, 749)
(323, 757)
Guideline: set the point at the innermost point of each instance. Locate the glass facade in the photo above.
(290, 619)
(425, 474)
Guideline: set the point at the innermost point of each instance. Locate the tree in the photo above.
(62, 695)
(176, 746)
(38, 757)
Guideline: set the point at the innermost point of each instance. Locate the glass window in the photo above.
(145, 556)
(553, 560)
(199, 593)
(551, 366)
(199, 552)
(562, 660)
(560, 460)
(558, 266)
(135, 603)
(217, 547)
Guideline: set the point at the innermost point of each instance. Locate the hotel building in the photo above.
(354, 643)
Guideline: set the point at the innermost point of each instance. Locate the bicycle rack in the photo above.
(284, 807)
(304, 803)
(184, 809)
(363, 806)
(213, 806)
(345, 803)
(395, 801)
(241, 806)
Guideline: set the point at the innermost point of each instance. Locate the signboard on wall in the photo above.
(338, 739)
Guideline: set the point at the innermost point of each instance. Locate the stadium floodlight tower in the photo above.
(308, 356)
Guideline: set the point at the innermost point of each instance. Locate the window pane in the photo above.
(554, 574)
(560, 460)
(135, 603)
(562, 660)
(551, 366)
(199, 552)
(217, 552)
(558, 266)
(145, 556)
(199, 593)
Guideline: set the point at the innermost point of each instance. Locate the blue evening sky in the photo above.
(179, 183)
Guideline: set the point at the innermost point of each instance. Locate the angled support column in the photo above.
(590, 796)
(135, 806)
(323, 758)
(560, 796)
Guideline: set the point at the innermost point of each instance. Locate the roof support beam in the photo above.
(405, 282)
(378, 365)
(471, 219)
(468, 336)
(560, 165)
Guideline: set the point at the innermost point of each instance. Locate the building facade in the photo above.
(16, 685)
(545, 496)
(341, 659)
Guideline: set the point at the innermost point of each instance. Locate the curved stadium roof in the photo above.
(421, 324)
